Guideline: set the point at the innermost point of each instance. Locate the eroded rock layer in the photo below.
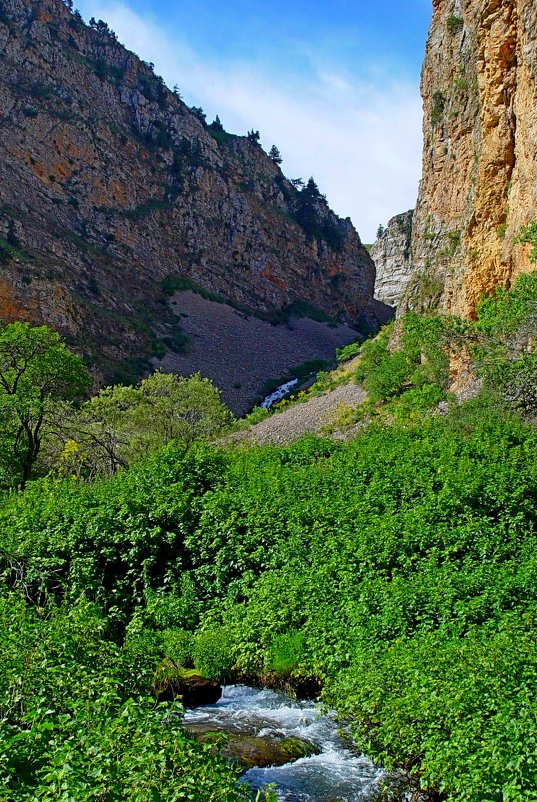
(479, 87)
(109, 185)
(392, 256)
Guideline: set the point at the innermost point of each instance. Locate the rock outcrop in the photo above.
(479, 184)
(173, 683)
(391, 254)
(110, 186)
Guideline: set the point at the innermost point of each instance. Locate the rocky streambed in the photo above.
(286, 744)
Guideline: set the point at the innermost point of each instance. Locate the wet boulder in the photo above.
(251, 750)
(172, 683)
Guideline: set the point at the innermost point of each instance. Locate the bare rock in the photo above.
(391, 254)
(110, 184)
(479, 88)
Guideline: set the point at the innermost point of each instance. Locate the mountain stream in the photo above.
(336, 773)
(278, 394)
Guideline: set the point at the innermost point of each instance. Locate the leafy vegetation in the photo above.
(438, 107)
(348, 352)
(36, 372)
(313, 216)
(398, 569)
(76, 721)
(455, 24)
(528, 236)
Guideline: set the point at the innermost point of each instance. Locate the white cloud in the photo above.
(361, 139)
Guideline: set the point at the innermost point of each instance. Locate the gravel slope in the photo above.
(310, 416)
(239, 353)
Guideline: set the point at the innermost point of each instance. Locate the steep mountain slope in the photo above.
(110, 185)
(479, 185)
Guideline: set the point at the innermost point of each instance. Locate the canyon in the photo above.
(114, 195)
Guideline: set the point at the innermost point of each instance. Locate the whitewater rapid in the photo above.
(336, 773)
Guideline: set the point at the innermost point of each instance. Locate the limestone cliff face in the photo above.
(391, 254)
(479, 185)
(109, 185)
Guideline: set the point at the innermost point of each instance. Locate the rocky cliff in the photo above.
(479, 185)
(391, 254)
(112, 190)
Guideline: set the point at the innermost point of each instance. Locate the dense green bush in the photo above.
(75, 722)
(418, 359)
(178, 646)
(213, 653)
(400, 569)
(285, 651)
(383, 566)
(348, 351)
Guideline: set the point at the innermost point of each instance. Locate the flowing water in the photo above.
(278, 394)
(336, 774)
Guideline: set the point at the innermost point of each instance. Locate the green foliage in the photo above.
(213, 653)
(394, 564)
(414, 402)
(454, 24)
(399, 569)
(419, 359)
(528, 236)
(348, 351)
(121, 424)
(275, 155)
(178, 646)
(121, 542)
(314, 218)
(454, 238)
(75, 721)
(438, 107)
(8, 251)
(36, 372)
(175, 284)
(305, 309)
(284, 653)
(504, 353)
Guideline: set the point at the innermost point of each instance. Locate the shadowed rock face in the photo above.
(109, 185)
(479, 87)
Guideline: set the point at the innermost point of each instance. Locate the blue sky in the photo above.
(335, 85)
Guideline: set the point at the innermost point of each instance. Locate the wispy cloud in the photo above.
(360, 138)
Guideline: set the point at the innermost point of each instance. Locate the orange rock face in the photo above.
(479, 186)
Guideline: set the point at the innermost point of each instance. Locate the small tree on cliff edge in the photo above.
(36, 372)
(275, 155)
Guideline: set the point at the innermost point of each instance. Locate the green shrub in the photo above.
(178, 646)
(420, 357)
(348, 351)
(213, 654)
(414, 402)
(504, 354)
(438, 107)
(76, 721)
(284, 653)
(399, 569)
(389, 378)
(528, 236)
(455, 24)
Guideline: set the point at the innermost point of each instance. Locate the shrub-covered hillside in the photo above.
(398, 570)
